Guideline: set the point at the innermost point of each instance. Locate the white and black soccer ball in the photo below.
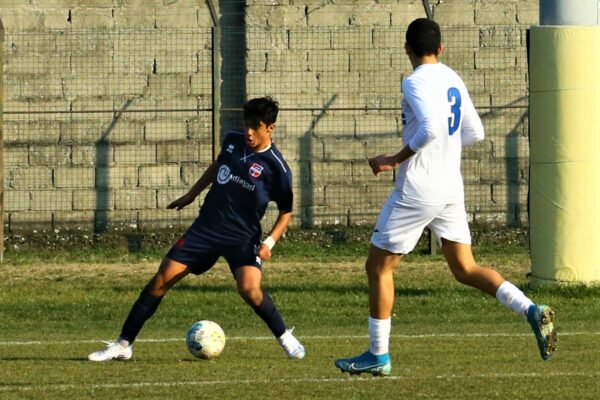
(205, 339)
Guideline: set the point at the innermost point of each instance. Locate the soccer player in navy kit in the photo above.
(248, 173)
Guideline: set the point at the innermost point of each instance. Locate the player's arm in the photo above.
(418, 97)
(387, 162)
(281, 224)
(283, 195)
(202, 183)
(472, 128)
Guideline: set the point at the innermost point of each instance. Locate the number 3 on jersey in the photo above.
(455, 102)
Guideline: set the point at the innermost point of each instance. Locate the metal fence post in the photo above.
(1, 144)
(216, 78)
(427, 8)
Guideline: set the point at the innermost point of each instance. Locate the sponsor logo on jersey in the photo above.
(224, 175)
(255, 170)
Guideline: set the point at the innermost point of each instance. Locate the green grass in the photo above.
(448, 341)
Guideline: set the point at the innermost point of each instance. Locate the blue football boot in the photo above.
(366, 362)
(541, 319)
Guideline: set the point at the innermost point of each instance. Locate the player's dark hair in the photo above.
(262, 109)
(423, 36)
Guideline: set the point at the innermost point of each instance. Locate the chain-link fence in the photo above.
(103, 127)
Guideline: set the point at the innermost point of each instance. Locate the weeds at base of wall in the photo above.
(332, 241)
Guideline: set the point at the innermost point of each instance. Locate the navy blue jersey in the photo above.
(245, 183)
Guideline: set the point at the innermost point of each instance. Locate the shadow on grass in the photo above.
(295, 288)
(292, 288)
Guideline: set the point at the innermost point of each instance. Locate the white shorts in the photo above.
(401, 224)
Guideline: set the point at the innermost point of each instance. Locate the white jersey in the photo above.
(439, 119)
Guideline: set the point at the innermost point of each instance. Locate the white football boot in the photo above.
(291, 345)
(113, 351)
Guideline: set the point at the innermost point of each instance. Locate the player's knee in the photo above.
(377, 270)
(157, 287)
(465, 273)
(157, 291)
(250, 295)
(461, 277)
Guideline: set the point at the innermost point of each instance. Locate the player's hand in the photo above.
(381, 163)
(182, 201)
(264, 252)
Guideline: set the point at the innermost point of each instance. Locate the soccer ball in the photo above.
(205, 339)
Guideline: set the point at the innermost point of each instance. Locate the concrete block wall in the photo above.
(73, 161)
(345, 60)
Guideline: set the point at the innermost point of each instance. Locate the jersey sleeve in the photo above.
(421, 102)
(472, 128)
(228, 139)
(284, 196)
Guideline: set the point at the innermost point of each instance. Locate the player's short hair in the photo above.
(423, 36)
(261, 109)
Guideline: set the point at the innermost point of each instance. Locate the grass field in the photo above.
(448, 341)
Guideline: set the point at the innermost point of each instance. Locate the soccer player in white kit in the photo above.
(439, 119)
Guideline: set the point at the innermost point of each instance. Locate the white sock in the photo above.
(123, 342)
(511, 297)
(379, 335)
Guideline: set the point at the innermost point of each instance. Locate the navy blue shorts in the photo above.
(199, 250)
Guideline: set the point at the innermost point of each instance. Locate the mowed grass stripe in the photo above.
(304, 337)
(345, 379)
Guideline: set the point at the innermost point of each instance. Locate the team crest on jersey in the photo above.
(230, 148)
(224, 174)
(255, 170)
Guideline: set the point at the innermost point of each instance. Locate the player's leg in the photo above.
(397, 231)
(451, 226)
(380, 267)
(248, 279)
(540, 317)
(464, 268)
(169, 273)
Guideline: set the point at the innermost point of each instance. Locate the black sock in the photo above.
(267, 311)
(141, 311)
